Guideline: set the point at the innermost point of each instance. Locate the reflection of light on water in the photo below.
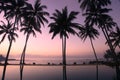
(55, 72)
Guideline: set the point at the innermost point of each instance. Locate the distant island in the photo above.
(2, 58)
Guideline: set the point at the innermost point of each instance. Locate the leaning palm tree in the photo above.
(7, 31)
(28, 30)
(91, 33)
(98, 15)
(63, 25)
(33, 18)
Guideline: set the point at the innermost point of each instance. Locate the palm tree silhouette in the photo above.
(63, 25)
(89, 31)
(115, 37)
(87, 5)
(12, 11)
(98, 15)
(33, 17)
(7, 30)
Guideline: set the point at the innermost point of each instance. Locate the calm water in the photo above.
(83, 72)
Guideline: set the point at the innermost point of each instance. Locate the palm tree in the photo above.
(98, 15)
(115, 37)
(7, 30)
(63, 25)
(108, 55)
(89, 31)
(33, 17)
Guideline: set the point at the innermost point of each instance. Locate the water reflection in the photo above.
(96, 71)
(21, 71)
(64, 73)
(4, 71)
(83, 72)
(117, 72)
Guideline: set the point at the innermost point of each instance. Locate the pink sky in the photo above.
(45, 46)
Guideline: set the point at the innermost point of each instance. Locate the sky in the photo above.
(43, 45)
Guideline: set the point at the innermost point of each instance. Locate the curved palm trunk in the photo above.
(94, 50)
(10, 45)
(22, 60)
(6, 60)
(95, 58)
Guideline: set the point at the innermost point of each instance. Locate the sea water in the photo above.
(81, 72)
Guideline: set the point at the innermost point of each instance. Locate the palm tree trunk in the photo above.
(22, 60)
(24, 50)
(6, 60)
(64, 49)
(64, 73)
(95, 58)
(94, 50)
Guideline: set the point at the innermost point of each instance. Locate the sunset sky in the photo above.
(43, 45)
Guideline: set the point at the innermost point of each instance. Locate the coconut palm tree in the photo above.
(115, 37)
(98, 15)
(7, 31)
(63, 25)
(33, 18)
(13, 10)
(91, 33)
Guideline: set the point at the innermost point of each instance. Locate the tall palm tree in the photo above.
(63, 25)
(7, 30)
(98, 15)
(89, 31)
(28, 30)
(115, 37)
(33, 18)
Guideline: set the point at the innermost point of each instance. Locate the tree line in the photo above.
(25, 17)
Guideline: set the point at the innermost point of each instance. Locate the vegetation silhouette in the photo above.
(12, 10)
(33, 17)
(96, 13)
(64, 72)
(63, 25)
(89, 31)
(7, 30)
(115, 37)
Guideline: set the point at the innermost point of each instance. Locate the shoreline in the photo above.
(49, 64)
